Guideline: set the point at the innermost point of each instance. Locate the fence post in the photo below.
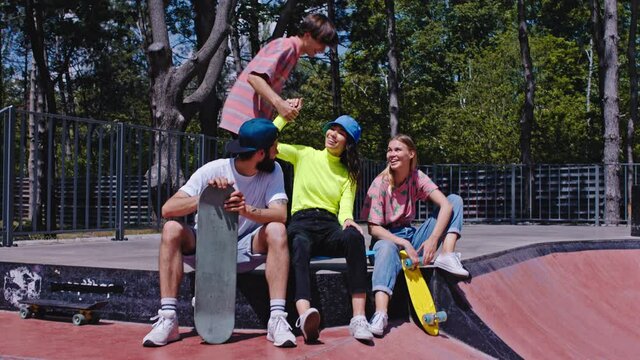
(119, 183)
(513, 194)
(597, 195)
(7, 179)
(203, 150)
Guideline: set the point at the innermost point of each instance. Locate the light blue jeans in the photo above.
(387, 257)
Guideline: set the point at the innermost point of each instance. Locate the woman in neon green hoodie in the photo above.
(322, 222)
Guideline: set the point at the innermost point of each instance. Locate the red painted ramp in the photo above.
(49, 339)
(582, 304)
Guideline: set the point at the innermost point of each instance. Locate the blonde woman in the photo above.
(389, 209)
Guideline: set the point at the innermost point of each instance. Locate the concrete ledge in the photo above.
(133, 295)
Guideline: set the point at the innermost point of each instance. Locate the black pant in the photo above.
(317, 232)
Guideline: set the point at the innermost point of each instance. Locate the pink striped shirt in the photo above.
(275, 61)
(397, 207)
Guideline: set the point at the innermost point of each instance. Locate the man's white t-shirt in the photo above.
(259, 190)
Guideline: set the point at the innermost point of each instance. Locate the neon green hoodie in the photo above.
(320, 179)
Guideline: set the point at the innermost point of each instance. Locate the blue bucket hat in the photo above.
(349, 124)
(253, 135)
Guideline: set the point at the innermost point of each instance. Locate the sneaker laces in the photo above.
(299, 322)
(360, 321)
(376, 317)
(159, 320)
(279, 321)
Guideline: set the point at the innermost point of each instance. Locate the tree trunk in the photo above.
(70, 95)
(589, 76)
(526, 117)
(394, 64)
(611, 115)
(335, 68)
(235, 50)
(37, 145)
(598, 42)
(633, 97)
(254, 28)
(33, 18)
(285, 18)
(46, 97)
(205, 11)
(63, 95)
(170, 110)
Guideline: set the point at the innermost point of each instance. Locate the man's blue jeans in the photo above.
(387, 257)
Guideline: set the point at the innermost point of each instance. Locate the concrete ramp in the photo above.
(583, 304)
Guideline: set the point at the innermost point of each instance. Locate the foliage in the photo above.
(461, 83)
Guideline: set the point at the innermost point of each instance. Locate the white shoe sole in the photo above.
(284, 344)
(377, 332)
(151, 343)
(364, 337)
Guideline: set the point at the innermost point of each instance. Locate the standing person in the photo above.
(261, 203)
(256, 92)
(389, 209)
(321, 223)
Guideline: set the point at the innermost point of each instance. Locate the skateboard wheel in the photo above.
(429, 318)
(78, 319)
(25, 313)
(441, 316)
(408, 263)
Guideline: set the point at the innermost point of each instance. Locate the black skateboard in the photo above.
(82, 312)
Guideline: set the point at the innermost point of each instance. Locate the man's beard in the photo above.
(266, 165)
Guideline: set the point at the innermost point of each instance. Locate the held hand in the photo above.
(296, 103)
(235, 203)
(287, 110)
(220, 182)
(412, 253)
(428, 248)
(350, 222)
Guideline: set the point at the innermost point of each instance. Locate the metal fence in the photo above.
(63, 174)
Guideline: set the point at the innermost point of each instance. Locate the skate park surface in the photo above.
(536, 291)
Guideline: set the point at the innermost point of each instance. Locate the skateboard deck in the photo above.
(421, 297)
(216, 256)
(83, 312)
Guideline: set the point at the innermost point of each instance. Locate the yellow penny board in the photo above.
(420, 295)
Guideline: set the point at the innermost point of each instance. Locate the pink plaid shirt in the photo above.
(275, 61)
(398, 207)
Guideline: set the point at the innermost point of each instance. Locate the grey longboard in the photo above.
(216, 254)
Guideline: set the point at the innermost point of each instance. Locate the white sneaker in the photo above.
(309, 323)
(279, 331)
(451, 263)
(165, 329)
(378, 323)
(359, 328)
